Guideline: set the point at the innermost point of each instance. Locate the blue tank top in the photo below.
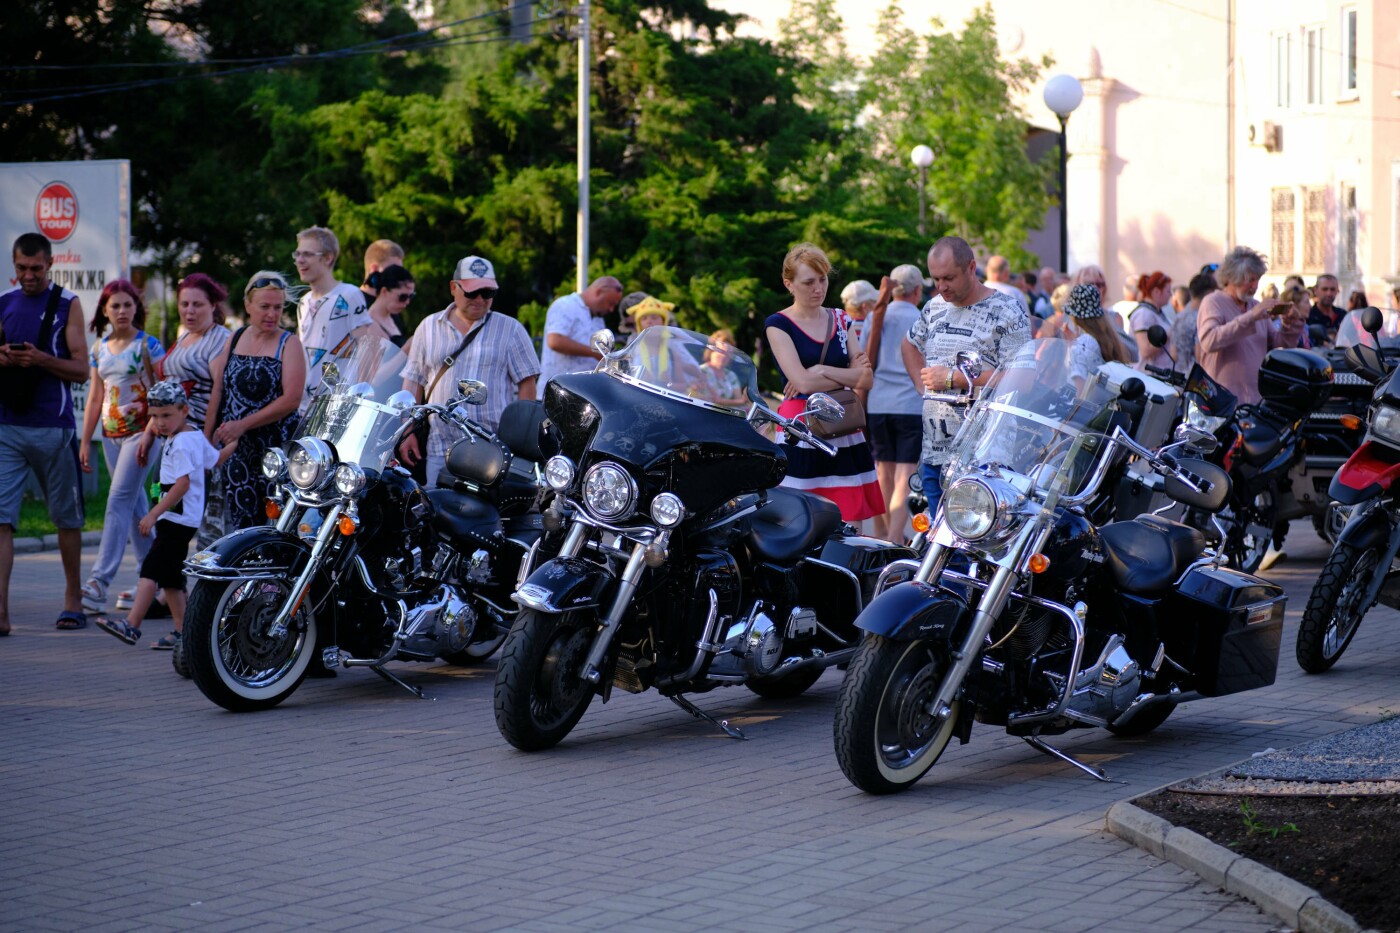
(22, 315)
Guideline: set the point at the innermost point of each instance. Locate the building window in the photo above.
(1281, 242)
(1349, 43)
(1283, 70)
(1347, 229)
(1312, 63)
(1314, 229)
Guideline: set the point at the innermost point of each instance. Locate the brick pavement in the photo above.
(131, 802)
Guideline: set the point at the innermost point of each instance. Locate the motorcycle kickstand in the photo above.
(395, 679)
(734, 732)
(1040, 745)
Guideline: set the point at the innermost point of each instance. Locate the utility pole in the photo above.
(585, 59)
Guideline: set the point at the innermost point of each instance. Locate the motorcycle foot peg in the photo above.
(330, 658)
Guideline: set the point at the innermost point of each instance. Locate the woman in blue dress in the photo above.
(797, 335)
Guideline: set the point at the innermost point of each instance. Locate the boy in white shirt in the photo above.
(186, 455)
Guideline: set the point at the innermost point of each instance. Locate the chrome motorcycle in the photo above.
(361, 566)
(1025, 615)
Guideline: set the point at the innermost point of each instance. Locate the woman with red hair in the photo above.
(123, 363)
(1156, 291)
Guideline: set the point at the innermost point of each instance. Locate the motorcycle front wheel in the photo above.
(233, 657)
(540, 696)
(885, 739)
(1335, 608)
(177, 659)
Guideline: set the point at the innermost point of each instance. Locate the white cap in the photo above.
(474, 272)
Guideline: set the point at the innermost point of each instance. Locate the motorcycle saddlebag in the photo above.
(1295, 382)
(1225, 626)
(864, 557)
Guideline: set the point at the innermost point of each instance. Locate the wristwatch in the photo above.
(949, 383)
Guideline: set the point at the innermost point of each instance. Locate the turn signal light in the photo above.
(273, 508)
(1039, 563)
(921, 523)
(1350, 422)
(346, 524)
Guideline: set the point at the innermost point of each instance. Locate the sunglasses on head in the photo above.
(265, 282)
(487, 293)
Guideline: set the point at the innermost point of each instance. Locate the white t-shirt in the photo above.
(1011, 291)
(322, 323)
(568, 316)
(188, 453)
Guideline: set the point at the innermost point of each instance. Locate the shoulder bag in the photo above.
(854, 419)
(421, 430)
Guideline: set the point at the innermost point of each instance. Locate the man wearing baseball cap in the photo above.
(467, 340)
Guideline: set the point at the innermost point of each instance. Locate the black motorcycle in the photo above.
(362, 566)
(674, 563)
(1025, 615)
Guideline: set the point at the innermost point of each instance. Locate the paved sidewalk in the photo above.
(131, 802)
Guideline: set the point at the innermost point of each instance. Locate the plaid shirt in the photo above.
(502, 357)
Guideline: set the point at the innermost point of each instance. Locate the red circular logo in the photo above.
(56, 211)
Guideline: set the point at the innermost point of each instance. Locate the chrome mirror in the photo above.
(602, 341)
(823, 407)
(969, 363)
(1197, 439)
(401, 400)
(471, 391)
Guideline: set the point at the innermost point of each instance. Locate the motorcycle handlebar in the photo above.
(1169, 376)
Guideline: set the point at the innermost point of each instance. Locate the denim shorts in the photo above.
(52, 455)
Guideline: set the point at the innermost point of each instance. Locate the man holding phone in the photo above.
(1235, 331)
(43, 351)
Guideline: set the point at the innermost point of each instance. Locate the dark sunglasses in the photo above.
(404, 298)
(487, 293)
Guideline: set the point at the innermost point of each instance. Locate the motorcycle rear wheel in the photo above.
(539, 695)
(784, 686)
(885, 741)
(1245, 550)
(232, 658)
(1334, 611)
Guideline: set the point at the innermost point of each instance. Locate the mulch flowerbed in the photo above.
(1347, 848)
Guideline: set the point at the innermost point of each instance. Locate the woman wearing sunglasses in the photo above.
(257, 385)
(393, 289)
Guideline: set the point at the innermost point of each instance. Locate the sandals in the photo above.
(166, 642)
(69, 621)
(94, 593)
(118, 628)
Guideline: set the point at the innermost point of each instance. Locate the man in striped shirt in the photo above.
(501, 355)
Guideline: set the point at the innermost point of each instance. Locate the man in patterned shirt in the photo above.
(330, 311)
(964, 315)
(500, 355)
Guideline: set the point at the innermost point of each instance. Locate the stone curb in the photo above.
(1296, 904)
(50, 542)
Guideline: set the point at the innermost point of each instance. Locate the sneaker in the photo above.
(166, 642)
(124, 600)
(94, 594)
(119, 629)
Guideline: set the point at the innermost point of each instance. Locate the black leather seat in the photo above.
(1145, 555)
(463, 517)
(791, 523)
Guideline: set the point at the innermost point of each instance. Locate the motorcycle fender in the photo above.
(917, 611)
(563, 585)
(1365, 475)
(283, 554)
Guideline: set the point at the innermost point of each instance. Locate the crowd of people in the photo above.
(200, 413)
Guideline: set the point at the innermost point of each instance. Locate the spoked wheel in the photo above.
(886, 737)
(1249, 530)
(540, 696)
(784, 686)
(234, 657)
(1336, 607)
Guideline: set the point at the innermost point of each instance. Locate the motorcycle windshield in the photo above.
(355, 409)
(1031, 420)
(1351, 333)
(683, 364)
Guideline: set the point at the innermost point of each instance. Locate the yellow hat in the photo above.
(650, 305)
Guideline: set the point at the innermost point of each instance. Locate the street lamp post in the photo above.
(922, 156)
(1063, 93)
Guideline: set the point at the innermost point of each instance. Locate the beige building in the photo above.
(1207, 123)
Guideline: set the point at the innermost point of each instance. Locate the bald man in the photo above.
(999, 280)
(569, 324)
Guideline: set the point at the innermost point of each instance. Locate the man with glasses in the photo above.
(331, 311)
(569, 324)
(466, 340)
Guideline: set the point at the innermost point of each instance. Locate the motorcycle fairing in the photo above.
(1367, 473)
(1375, 527)
(920, 611)
(563, 585)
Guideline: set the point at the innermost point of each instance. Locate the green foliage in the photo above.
(1254, 825)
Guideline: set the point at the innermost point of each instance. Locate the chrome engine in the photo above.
(751, 646)
(441, 625)
(1103, 691)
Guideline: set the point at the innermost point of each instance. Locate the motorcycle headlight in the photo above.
(309, 463)
(667, 510)
(978, 508)
(608, 492)
(1199, 419)
(1385, 424)
(274, 464)
(559, 472)
(349, 479)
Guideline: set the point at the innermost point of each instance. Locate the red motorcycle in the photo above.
(1361, 569)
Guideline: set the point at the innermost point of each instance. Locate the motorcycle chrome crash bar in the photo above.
(705, 646)
(278, 629)
(627, 586)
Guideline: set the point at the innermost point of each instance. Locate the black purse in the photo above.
(18, 385)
